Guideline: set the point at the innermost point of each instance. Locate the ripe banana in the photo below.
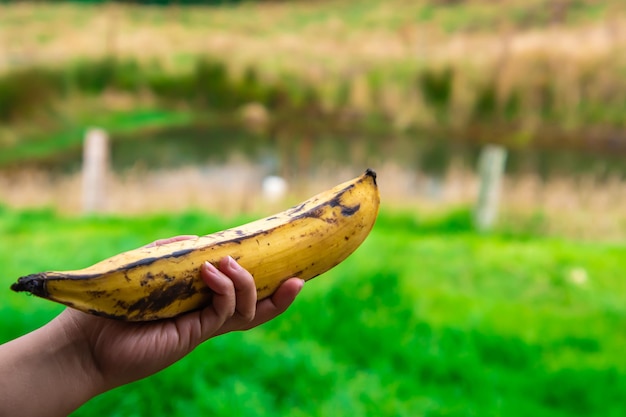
(164, 281)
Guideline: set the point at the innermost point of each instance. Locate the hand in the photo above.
(123, 352)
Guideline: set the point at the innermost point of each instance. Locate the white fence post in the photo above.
(490, 169)
(95, 170)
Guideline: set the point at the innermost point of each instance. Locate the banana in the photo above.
(158, 282)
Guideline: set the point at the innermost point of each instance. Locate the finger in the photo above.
(271, 307)
(223, 303)
(160, 242)
(279, 302)
(245, 288)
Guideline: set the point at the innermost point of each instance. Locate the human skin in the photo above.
(56, 368)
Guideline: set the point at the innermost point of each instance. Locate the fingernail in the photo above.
(301, 285)
(232, 264)
(210, 267)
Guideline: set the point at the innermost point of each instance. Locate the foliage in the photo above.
(209, 85)
(531, 113)
(25, 91)
(426, 318)
(394, 61)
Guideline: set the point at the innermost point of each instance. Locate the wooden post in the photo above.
(490, 169)
(95, 170)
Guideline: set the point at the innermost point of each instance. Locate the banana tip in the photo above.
(34, 284)
(370, 172)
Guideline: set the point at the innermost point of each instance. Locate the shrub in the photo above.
(24, 91)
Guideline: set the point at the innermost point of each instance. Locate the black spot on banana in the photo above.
(164, 281)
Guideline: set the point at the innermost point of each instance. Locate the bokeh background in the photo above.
(216, 113)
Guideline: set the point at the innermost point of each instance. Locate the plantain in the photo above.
(158, 282)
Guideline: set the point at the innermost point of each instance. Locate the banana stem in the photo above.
(34, 284)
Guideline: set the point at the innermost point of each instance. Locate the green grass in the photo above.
(426, 318)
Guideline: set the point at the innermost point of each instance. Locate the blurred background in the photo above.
(494, 281)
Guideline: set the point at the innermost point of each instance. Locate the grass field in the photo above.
(426, 318)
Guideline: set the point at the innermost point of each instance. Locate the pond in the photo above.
(302, 152)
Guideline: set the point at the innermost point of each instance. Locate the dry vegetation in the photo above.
(578, 208)
(335, 35)
(514, 47)
(548, 59)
